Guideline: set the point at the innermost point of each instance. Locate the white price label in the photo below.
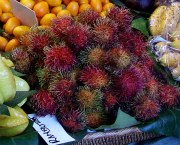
(50, 129)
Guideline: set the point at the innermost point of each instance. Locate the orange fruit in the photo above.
(63, 13)
(83, 1)
(46, 20)
(5, 6)
(73, 7)
(6, 16)
(96, 5)
(105, 1)
(41, 8)
(11, 24)
(103, 14)
(28, 3)
(19, 30)
(0, 12)
(66, 2)
(54, 3)
(57, 9)
(84, 7)
(12, 44)
(3, 43)
(107, 6)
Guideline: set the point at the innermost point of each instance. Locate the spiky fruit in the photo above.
(43, 103)
(25, 39)
(105, 32)
(73, 120)
(77, 37)
(94, 77)
(146, 109)
(88, 97)
(59, 58)
(117, 59)
(152, 88)
(21, 59)
(128, 84)
(93, 55)
(169, 96)
(59, 25)
(88, 17)
(61, 88)
(121, 16)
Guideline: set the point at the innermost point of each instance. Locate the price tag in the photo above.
(50, 129)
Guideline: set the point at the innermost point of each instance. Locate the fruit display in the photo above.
(85, 66)
(17, 120)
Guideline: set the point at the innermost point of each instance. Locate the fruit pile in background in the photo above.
(85, 67)
(165, 23)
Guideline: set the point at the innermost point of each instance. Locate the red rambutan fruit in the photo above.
(59, 25)
(94, 77)
(59, 58)
(92, 55)
(105, 32)
(77, 37)
(61, 88)
(24, 39)
(169, 96)
(89, 98)
(121, 16)
(21, 59)
(43, 103)
(88, 17)
(147, 61)
(146, 108)
(117, 59)
(73, 120)
(128, 84)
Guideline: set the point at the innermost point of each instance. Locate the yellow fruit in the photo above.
(83, 2)
(96, 5)
(11, 24)
(54, 3)
(46, 19)
(12, 44)
(5, 6)
(103, 14)
(84, 7)
(176, 72)
(66, 2)
(3, 43)
(6, 16)
(56, 10)
(41, 8)
(19, 30)
(63, 13)
(107, 6)
(73, 8)
(176, 44)
(0, 12)
(28, 3)
(105, 2)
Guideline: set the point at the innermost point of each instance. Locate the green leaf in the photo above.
(168, 123)
(17, 73)
(4, 110)
(6, 54)
(19, 97)
(28, 137)
(141, 24)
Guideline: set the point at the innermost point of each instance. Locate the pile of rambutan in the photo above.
(85, 67)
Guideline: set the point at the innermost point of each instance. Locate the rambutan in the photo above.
(89, 98)
(43, 103)
(146, 108)
(77, 37)
(105, 32)
(121, 16)
(169, 96)
(60, 25)
(21, 59)
(128, 84)
(59, 58)
(94, 77)
(88, 17)
(61, 88)
(24, 39)
(117, 59)
(72, 120)
(152, 88)
(93, 55)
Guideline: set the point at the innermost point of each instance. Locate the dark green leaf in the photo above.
(19, 97)
(6, 54)
(168, 123)
(141, 24)
(17, 73)
(1, 31)
(4, 110)
(28, 137)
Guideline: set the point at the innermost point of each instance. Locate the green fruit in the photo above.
(7, 83)
(14, 124)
